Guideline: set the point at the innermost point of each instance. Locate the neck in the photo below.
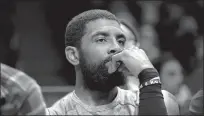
(91, 97)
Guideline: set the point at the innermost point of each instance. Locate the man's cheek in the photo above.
(129, 43)
(95, 58)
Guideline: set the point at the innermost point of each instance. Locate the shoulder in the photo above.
(64, 100)
(62, 106)
(129, 97)
(128, 101)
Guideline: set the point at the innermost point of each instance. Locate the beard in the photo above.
(97, 78)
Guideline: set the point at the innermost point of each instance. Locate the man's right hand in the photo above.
(134, 59)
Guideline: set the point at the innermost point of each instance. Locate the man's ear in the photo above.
(72, 55)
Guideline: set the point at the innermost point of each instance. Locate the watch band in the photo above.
(155, 80)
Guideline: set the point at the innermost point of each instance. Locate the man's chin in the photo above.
(106, 84)
(117, 79)
(105, 88)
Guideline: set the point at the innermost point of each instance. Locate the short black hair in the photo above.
(76, 27)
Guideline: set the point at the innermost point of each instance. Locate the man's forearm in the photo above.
(151, 97)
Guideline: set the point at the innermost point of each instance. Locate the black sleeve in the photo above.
(151, 97)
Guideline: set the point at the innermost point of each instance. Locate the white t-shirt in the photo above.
(125, 103)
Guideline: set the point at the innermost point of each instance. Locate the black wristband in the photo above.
(151, 91)
(152, 101)
(147, 74)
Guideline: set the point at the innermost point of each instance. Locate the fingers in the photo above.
(114, 66)
(128, 56)
(142, 51)
(118, 59)
(124, 70)
(121, 67)
(116, 62)
(131, 47)
(144, 54)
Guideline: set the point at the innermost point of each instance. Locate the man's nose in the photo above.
(115, 48)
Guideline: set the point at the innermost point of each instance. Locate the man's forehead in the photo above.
(102, 25)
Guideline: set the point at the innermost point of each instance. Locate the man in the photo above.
(20, 94)
(95, 45)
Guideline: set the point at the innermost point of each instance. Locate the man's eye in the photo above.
(101, 40)
(121, 41)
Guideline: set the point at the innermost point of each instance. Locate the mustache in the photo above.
(110, 58)
(107, 60)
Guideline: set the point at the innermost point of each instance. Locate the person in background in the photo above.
(167, 26)
(8, 41)
(150, 43)
(132, 82)
(172, 78)
(186, 33)
(195, 79)
(20, 94)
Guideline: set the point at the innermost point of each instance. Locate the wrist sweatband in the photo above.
(149, 76)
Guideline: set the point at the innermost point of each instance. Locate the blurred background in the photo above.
(171, 33)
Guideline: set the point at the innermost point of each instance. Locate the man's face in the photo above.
(103, 38)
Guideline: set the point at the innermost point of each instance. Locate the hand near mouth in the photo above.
(130, 61)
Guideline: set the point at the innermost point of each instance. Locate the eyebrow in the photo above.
(100, 33)
(118, 35)
(121, 36)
